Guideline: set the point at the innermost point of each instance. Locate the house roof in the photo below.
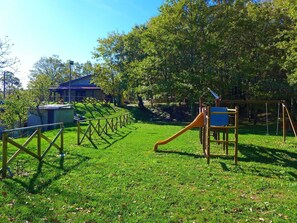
(55, 107)
(82, 83)
(75, 88)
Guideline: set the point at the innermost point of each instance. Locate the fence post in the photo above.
(116, 125)
(236, 136)
(78, 132)
(39, 142)
(106, 124)
(125, 120)
(112, 127)
(90, 129)
(4, 155)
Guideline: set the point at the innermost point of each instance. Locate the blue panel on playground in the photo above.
(219, 119)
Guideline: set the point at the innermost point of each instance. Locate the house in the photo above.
(80, 89)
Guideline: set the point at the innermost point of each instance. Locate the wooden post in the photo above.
(116, 123)
(227, 142)
(291, 122)
(4, 155)
(90, 129)
(203, 139)
(112, 126)
(236, 136)
(208, 135)
(284, 123)
(78, 132)
(106, 124)
(39, 142)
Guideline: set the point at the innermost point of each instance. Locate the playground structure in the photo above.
(217, 120)
(283, 120)
(214, 120)
(284, 112)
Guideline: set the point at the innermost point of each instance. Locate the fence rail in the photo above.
(100, 126)
(23, 147)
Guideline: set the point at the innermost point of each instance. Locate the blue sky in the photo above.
(68, 28)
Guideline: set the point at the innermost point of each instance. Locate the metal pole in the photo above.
(69, 93)
(267, 130)
(4, 84)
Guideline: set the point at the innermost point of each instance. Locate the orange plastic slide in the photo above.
(198, 122)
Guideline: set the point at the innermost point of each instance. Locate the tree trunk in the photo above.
(119, 100)
(255, 116)
(140, 102)
(192, 108)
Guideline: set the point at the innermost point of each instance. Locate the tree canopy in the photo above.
(58, 71)
(242, 49)
(6, 61)
(8, 64)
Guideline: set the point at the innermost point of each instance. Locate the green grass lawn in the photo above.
(123, 180)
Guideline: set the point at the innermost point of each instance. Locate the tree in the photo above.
(287, 37)
(59, 71)
(39, 91)
(12, 82)
(110, 73)
(16, 108)
(5, 60)
(8, 64)
(39, 88)
(52, 66)
(243, 49)
(136, 79)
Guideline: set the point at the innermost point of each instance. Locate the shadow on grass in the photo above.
(180, 153)
(98, 110)
(89, 110)
(37, 183)
(275, 162)
(122, 136)
(107, 106)
(265, 155)
(113, 137)
(145, 115)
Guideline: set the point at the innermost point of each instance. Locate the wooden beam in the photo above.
(251, 101)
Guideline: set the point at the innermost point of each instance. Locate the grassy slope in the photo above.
(125, 181)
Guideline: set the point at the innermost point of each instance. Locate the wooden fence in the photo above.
(100, 126)
(23, 148)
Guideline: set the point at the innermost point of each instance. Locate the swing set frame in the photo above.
(285, 113)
